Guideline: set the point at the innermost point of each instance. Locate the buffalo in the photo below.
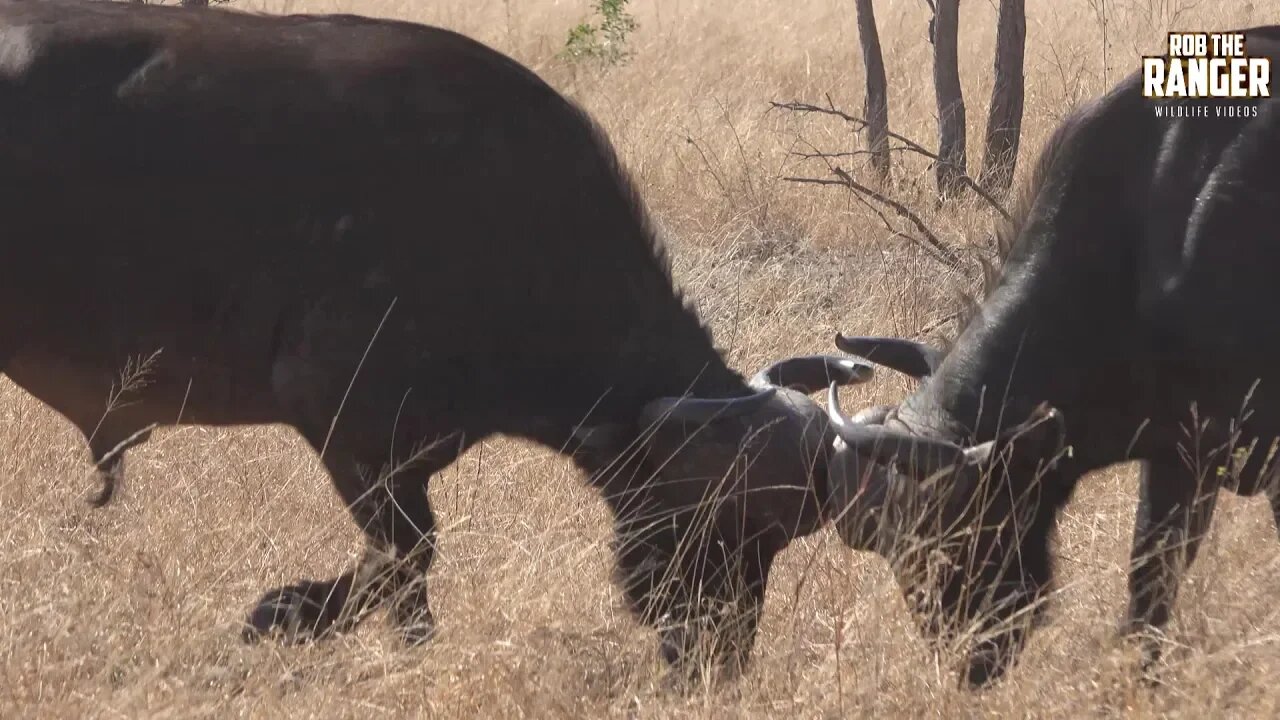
(1131, 320)
(398, 242)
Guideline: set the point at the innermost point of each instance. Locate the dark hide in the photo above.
(1138, 300)
(398, 242)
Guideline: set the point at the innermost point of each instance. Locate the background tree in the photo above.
(1004, 120)
(950, 166)
(876, 106)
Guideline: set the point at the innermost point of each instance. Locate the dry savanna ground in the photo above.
(133, 610)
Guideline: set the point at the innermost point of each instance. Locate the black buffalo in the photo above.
(398, 242)
(1133, 320)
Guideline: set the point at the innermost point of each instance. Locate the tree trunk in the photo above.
(195, 3)
(876, 106)
(950, 167)
(1004, 123)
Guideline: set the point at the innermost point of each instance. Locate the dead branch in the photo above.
(929, 242)
(845, 154)
(831, 109)
(908, 145)
(688, 139)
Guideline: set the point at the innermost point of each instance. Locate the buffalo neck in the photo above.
(1059, 326)
(670, 355)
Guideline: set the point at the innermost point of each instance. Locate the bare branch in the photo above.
(945, 253)
(688, 139)
(861, 123)
(846, 154)
(907, 145)
(930, 242)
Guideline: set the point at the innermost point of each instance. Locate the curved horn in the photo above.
(704, 410)
(906, 356)
(811, 373)
(885, 445)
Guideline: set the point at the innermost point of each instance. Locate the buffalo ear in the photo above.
(906, 356)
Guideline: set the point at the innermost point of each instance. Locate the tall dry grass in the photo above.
(134, 610)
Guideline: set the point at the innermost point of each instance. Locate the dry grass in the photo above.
(133, 610)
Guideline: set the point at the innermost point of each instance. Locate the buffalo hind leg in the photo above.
(395, 514)
(1174, 513)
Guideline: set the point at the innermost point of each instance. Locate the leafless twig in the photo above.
(831, 109)
(907, 145)
(930, 242)
(711, 168)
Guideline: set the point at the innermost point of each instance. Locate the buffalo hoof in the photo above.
(418, 633)
(987, 664)
(300, 613)
(1148, 644)
(983, 673)
(691, 666)
(415, 622)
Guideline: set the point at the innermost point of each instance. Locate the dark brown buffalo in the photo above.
(1138, 301)
(399, 242)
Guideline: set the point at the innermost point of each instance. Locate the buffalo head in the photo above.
(951, 517)
(706, 492)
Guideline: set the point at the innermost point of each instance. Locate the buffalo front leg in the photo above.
(1273, 496)
(396, 516)
(351, 377)
(1174, 513)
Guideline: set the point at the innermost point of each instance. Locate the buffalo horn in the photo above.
(811, 373)
(906, 356)
(884, 445)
